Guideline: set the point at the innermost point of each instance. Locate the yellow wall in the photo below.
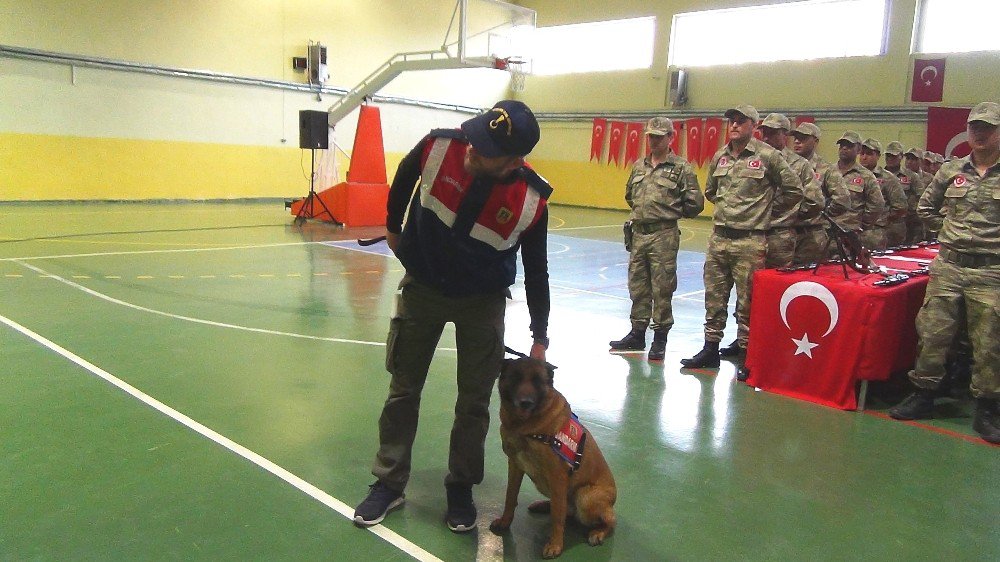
(91, 133)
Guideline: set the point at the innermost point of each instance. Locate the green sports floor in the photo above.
(203, 382)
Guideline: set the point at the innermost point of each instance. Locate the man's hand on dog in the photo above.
(537, 351)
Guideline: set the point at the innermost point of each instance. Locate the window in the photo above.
(957, 26)
(792, 31)
(591, 47)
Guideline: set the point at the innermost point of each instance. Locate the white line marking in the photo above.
(189, 318)
(300, 484)
(174, 251)
(560, 229)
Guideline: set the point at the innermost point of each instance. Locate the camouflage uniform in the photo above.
(965, 277)
(912, 188)
(867, 205)
(787, 219)
(893, 221)
(813, 241)
(658, 197)
(743, 187)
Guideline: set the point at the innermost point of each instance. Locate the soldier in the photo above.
(744, 177)
(964, 288)
(786, 219)
(938, 162)
(912, 188)
(914, 157)
(914, 162)
(813, 239)
(661, 189)
(893, 219)
(867, 202)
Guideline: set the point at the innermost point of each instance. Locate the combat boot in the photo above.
(658, 348)
(633, 341)
(986, 422)
(732, 350)
(917, 406)
(707, 357)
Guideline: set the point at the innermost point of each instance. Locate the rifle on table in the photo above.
(852, 251)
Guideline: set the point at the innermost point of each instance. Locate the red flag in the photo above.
(928, 80)
(800, 119)
(675, 143)
(757, 133)
(813, 336)
(617, 138)
(695, 132)
(597, 138)
(633, 138)
(947, 132)
(714, 128)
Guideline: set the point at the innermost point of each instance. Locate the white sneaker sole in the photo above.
(461, 528)
(358, 520)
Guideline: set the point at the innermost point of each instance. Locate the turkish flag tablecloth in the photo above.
(813, 336)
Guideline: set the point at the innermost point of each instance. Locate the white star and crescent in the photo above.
(809, 289)
(927, 82)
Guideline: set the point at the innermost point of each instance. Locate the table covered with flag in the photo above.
(814, 336)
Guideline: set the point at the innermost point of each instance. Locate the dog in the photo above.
(532, 414)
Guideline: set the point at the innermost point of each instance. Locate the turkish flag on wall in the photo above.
(695, 131)
(947, 132)
(633, 138)
(800, 119)
(597, 138)
(675, 143)
(617, 139)
(928, 80)
(714, 127)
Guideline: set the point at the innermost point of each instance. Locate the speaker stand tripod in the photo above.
(310, 200)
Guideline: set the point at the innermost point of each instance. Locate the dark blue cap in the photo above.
(509, 128)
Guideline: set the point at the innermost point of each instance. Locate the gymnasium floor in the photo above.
(203, 381)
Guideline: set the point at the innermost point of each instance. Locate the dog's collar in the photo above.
(567, 443)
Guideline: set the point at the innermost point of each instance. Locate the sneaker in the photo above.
(380, 501)
(461, 516)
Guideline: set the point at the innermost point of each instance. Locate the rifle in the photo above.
(852, 251)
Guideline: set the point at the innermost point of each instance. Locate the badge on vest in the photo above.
(754, 164)
(723, 162)
(858, 180)
(960, 181)
(504, 215)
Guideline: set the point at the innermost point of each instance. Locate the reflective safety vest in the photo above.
(461, 234)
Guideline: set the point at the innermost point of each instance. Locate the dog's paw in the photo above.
(552, 550)
(500, 525)
(540, 506)
(596, 537)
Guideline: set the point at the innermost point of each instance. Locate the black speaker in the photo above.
(314, 129)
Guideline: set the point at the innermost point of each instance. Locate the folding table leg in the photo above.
(862, 394)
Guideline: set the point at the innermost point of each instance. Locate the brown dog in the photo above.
(532, 413)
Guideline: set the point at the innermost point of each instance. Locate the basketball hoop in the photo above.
(517, 70)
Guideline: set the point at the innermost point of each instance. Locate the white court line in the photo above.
(173, 251)
(300, 484)
(113, 300)
(585, 227)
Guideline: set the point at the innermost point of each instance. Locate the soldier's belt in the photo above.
(809, 228)
(967, 260)
(651, 227)
(736, 233)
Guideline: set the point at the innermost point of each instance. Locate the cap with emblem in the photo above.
(659, 126)
(849, 136)
(987, 112)
(776, 121)
(509, 128)
(807, 129)
(914, 151)
(894, 148)
(872, 144)
(745, 110)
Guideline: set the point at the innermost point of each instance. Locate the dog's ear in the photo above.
(551, 370)
(506, 365)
